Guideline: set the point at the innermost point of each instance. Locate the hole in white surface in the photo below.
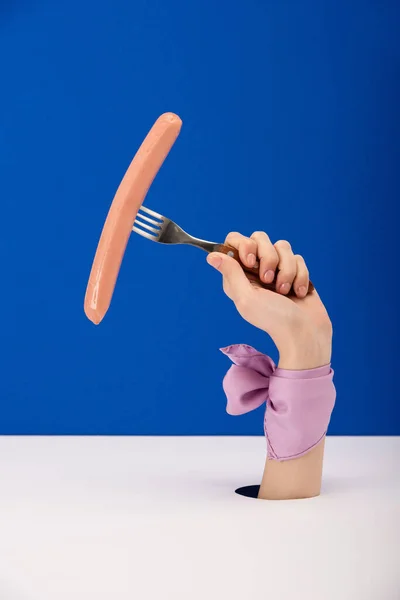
(250, 491)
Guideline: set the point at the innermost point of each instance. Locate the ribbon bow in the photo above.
(298, 414)
(246, 384)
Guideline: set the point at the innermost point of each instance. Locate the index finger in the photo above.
(246, 247)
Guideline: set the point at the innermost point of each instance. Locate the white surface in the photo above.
(157, 518)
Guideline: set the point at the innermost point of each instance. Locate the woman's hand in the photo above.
(299, 326)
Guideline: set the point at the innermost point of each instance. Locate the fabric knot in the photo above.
(246, 384)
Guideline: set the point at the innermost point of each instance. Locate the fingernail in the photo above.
(251, 260)
(302, 291)
(214, 261)
(284, 288)
(269, 276)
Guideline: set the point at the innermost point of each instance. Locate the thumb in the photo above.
(232, 273)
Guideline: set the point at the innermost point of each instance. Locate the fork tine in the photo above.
(152, 221)
(152, 213)
(147, 227)
(149, 236)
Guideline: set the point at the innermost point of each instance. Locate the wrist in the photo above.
(305, 351)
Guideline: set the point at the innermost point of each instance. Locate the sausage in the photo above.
(127, 201)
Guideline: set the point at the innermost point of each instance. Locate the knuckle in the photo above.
(283, 245)
(259, 235)
(247, 242)
(232, 236)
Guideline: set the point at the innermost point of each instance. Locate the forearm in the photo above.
(293, 479)
(299, 477)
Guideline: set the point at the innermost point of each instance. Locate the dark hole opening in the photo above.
(250, 491)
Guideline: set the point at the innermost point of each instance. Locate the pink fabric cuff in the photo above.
(298, 403)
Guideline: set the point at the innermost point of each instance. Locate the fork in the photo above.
(157, 228)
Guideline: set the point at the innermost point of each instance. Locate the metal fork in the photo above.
(157, 228)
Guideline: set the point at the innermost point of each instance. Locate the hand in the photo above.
(299, 326)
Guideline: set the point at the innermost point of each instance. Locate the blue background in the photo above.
(291, 124)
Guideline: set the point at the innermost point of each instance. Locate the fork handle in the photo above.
(253, 272)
